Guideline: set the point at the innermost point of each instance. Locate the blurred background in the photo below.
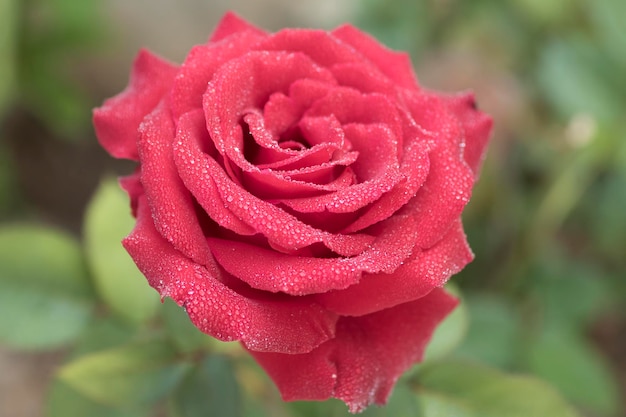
(546, 294)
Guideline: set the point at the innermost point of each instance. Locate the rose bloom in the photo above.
(301, 193)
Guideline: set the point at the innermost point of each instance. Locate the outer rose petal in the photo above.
(116, 122)
(395, 65)
(368, 354)
(263, 323)
(231, 24)
(200, 66)
(170, 202)
(420, 274)
(476, 124)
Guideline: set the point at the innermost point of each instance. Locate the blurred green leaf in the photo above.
(572, 75)
(184, 334)
(450, 333)
(45, 297)
(402, 403)
(54, 37)
(494, 331)
(8, 19)
(569, 293)
(399, 24)
(545, 11)
(131, 376)
(604, 207)
(103, 333)
(65, 401)
(462, 389)
(211, 385)
(608, 18)
(565, 360)
(119, 282)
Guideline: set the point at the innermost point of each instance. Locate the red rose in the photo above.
(299, 192)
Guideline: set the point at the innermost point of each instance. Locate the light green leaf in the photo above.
(450, 333)
(65, 401)
(608, 19)
(45, 297)
(184, 334)
(460, 389)
(131, 376)
(209, 386)
(567, 362)
(118, 281)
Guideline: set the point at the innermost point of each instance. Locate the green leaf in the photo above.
(571, 74)
(103, 333)
(567, 362)
(461, 389)
(118, 281)
(184, 334)
(209, 386)
(450, 333)
(131, 376)
(570, 292)
(494, 331)
(608, 19)
(45, 297)
(402, 403)
(65, 401)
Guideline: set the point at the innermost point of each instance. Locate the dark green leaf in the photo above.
(184, 334)
(131, 376)
(45, 297)
(209, 386)
(460, 389)
(567, 362)
(120, 284)
(494, 331)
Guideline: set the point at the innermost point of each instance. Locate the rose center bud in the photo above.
(293, 139)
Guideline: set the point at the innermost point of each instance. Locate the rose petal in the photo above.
(132, 185)
(420, 274)
(245, 84)
(396, 65)
(476, 125)
(204, 190)
(414, 167)
(361, 365)
(448, 187)
(363, 77)
(170, 202)
(273, 271)
(231, 24)
(116, 122)
(283, 230)
(263, 323)
(200, 65)
(351, 106)
(319, 45)
(268, 270)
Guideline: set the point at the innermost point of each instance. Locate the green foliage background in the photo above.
(543, 323)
